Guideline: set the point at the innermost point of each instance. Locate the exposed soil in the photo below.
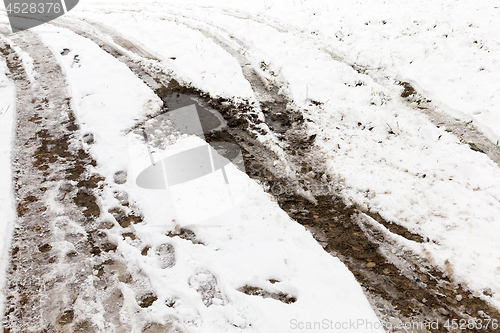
(256, 291)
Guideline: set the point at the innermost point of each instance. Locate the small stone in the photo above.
(386, 271)
(45, 248)
(458, 298)
(66, 317)
(371, 264)
(120, 177)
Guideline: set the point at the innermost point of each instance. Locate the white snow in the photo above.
(7, 202)
(251, 243)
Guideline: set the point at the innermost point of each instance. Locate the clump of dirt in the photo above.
(24, 205)
(130, 235)
(145, 250)
(186, 234)
(256, 291)
(67, 317)
(50, 149)
(88, 201)
(123, 218)
(130, 219)
(408, 90)
(45, 248)
(145, 301)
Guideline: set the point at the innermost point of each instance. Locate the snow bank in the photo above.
(7, 203)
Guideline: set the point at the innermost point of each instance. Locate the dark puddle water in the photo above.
(210, 119)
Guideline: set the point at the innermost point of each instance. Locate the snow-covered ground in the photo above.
(388, 156)
(7, 206)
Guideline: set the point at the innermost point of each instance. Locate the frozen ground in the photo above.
(346, 67)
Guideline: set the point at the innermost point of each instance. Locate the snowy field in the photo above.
(383, 153)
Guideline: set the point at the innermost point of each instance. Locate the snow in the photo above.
(420, 177)
(250, 242)
(7, 202)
